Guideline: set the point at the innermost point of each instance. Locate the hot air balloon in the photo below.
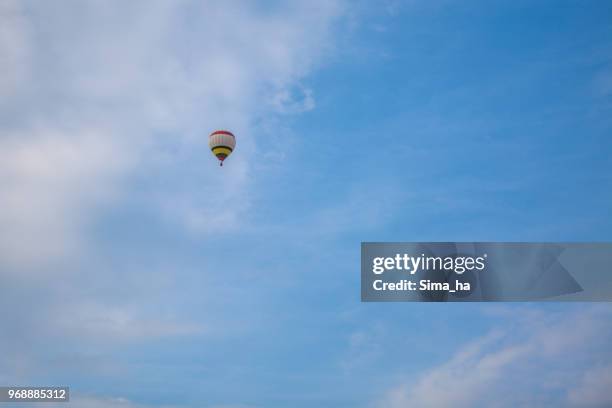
(222, 143)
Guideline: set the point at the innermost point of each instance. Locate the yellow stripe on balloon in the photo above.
(221, 149)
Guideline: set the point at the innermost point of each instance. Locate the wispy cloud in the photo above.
(121, 402)
(528, 359)
(108, 105)
(94, 94)
(103, 402)
(594, 389)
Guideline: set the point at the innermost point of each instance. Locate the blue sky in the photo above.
(141, 274)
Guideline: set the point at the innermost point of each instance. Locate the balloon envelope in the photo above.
(222, 144)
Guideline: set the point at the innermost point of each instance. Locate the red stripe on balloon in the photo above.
(222, 132)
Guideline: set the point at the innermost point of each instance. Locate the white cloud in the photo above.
(530, 362)
(93, 93)
(46, 180)
(111, 323)
(83, 401)
(594, 388)
(100, 402)
(14, 58)
(363, 348)
(105, 104)
(285, 101)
